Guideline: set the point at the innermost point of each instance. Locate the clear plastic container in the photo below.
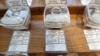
(56, 16)
(92, 13)
(17, 16)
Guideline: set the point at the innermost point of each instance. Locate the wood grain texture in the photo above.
(76, 41)
(75, 38)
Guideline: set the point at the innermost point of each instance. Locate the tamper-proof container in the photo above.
(17, 16)
(56, 16)
(92, 13)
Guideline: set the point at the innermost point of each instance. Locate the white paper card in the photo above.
(20, 41)
(55, 40)
(94, 46)
(93, 38)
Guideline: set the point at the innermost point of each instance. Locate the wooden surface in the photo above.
(74, 35)
(76, 41)
(73, 31)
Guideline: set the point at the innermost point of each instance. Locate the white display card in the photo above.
(93, 38)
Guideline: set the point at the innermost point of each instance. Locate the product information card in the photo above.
(20, 41)
(55, 41)
(93, 38)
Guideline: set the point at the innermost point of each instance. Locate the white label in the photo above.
(20, 41)
(93, 38)
(56, 47)
(19, 48)
(55, 40)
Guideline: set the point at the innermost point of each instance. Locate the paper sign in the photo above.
(93, 38)
(20, 41)
(55, 40)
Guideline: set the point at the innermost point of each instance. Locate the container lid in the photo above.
(11, 20)
(93, 10)
(12, 3)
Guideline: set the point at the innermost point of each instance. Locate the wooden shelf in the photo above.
(76, 41)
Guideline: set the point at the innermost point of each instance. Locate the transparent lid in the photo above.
(12, 3)
(11, 20)
(93, 13)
